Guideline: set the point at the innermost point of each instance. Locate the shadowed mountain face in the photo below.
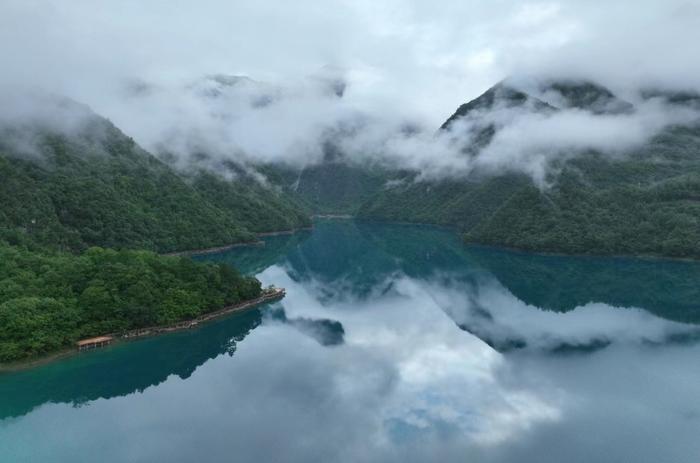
(587, 96)
(500, 96)
(682, 98)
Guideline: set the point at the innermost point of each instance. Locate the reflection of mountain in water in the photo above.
(361, 260)
(254, 259)
(358, 259)
(668, 289)
(132, 367)
(359, 256)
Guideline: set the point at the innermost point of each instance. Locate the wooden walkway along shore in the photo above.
(94, 343)
(268, 295)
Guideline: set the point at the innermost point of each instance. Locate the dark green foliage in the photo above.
(96, 187)
(646, 202)
(50, 300)
(333, 187)
(451, 202)
(642, 202)
(112, 194)
(256, 207)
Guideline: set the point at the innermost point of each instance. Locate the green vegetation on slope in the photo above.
(96, 187)
(332, 187)
(461, 203)
(255, 207)
(68, 187)
(641, 202)
(48, 301)
(78, 196)
(647, 203)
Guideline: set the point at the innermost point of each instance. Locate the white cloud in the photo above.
(405, 62)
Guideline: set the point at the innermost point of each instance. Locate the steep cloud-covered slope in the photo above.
(640, 201)
(72, 179)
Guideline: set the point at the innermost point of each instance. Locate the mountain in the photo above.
(481, 130)
(255, 206)
(501, 95)
(331, 187)
(69, 180)
(585, 95)
(642, 202)
(680, 98)
(74, 180)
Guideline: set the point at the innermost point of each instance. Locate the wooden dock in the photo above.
(94, 343)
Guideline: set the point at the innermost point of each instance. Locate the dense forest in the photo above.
(83, 211)
(253, 206)
(50, 300)
(331, 187)
(94, 186)
(641, 202)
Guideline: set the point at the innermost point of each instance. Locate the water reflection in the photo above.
(327, 332)
(122, 369)
(364, 360)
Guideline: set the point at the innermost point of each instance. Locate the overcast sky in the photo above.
(417, 59)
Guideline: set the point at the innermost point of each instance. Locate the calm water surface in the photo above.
(398, 344)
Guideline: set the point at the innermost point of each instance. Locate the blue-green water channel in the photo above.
(398, 344)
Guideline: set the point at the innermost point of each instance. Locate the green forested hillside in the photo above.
(96, 187)
(251, 205)
(333, 187)
(462, 203)
(648, 203)
(643, 202)
(50, 300)
(72, 182)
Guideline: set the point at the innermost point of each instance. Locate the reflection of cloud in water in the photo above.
(407, 385)
(487, 309)
(445, 380)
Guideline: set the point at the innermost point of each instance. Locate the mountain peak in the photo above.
(501, 95)
(584, 94)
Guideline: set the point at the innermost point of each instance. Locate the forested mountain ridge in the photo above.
(643, 202)
(91, 185)
(331, 187)
(71, 185)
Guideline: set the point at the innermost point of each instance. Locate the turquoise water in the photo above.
(394, 343)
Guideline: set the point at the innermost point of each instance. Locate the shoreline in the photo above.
(502, 247)
(284, 232)
(644, 257)
(214, 250)
(140, 333)
(333, 216)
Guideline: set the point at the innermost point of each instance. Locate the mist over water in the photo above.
(394, 343)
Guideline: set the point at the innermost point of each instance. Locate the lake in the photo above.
(394, 343)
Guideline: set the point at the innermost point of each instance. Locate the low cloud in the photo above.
(493, 314)
(373, 80)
